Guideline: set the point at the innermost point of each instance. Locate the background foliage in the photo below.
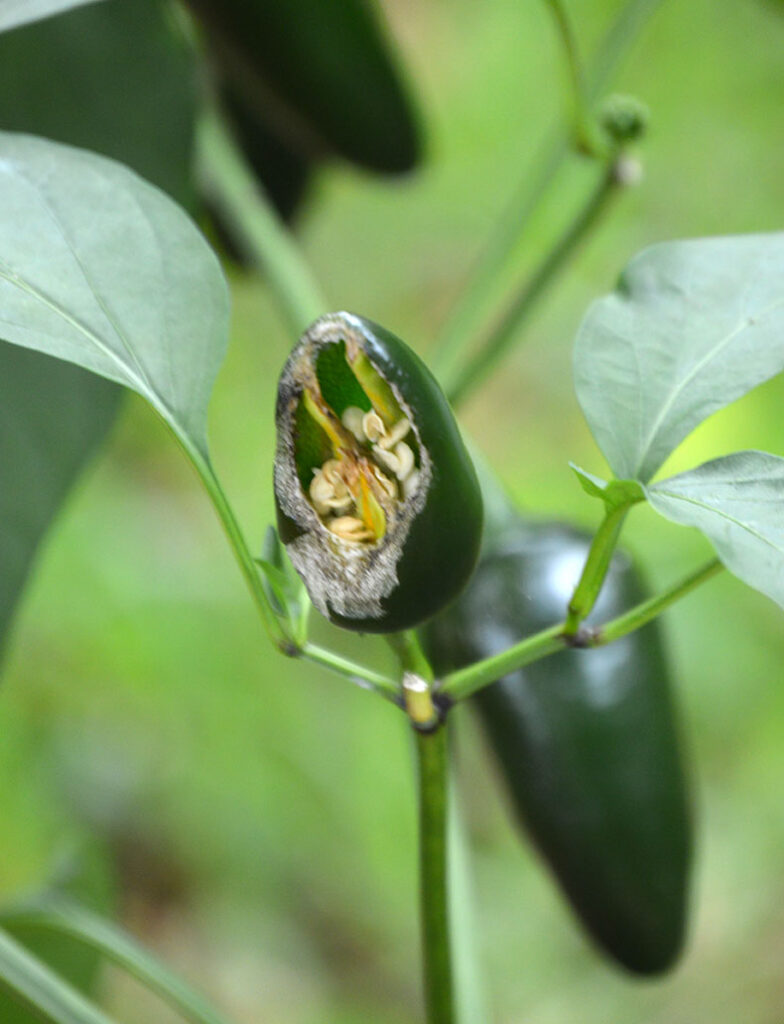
(260, 812)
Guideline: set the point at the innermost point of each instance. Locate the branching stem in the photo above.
(595, 569)
(467, 681)
(471, 306)
(584, 130)
(503, 334)
(365, 677)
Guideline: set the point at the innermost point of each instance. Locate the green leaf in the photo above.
(92, 77)
(738, 503)
(594, 486)
(20, 12)
(691, 327)
(41, 990)
(276, 585)
(613, 493)
(88, 78)
(41, 453)
(81, 873)
(62, 916)
(101, 269)
(285, 590)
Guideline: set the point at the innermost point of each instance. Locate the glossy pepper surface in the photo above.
(377, 499)
(322, 73)
(586, 740)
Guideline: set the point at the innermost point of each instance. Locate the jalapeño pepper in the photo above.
(321, 75)
(586, 740)
(377, 498)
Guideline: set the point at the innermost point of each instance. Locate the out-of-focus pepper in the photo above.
(378, 502)
(586, 740)
(321, 75)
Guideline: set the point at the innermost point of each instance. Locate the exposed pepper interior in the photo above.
(357, 456)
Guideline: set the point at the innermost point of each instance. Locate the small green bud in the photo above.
(624, 118)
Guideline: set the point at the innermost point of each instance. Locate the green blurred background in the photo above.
(260, 813)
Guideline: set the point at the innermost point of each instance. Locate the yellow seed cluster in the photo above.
(336, 488)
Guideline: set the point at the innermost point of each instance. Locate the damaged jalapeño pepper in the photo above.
(585, 740)
(377, 499)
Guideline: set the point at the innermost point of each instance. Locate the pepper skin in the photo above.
(321, 75)
(585, 740)
(428, 537)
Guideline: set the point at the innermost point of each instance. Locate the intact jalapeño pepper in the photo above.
(377, 499)
(586, 740)
(320, 73)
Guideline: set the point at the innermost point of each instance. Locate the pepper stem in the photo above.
(432, 764)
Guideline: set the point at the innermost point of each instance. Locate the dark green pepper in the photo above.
(586, 740)
(378, 502)
(320, 73)
(282, 171)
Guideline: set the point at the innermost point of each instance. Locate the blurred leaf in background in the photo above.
(115, 78)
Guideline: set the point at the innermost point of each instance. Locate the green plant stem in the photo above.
(430, 732)
(644, 612)
(365, 677)
(503, 334)
(432, 765)
(239, 197)
(201, 463)
(359, 674)
(417, 679)
(460, 327)
(467, 681)
(584, 132)
(595, 569)
(410, 654)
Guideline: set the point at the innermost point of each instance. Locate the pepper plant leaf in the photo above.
(39, 989)
(738, 503)
(691, 327)
(89, 78)
(115, 78)
(101, 269)
(20, 12)
(62, 918)
(52, 417)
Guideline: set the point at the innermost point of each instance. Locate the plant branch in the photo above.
(595, 569)
(584, 130)
(416, 680)
(237, 542)
(238, 195)
(467, 681)
(356, 673)
(644, 612)
(359, 674)
(463, 321)
(432, 765)
(503, 334)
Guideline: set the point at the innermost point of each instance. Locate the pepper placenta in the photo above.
(586, 740)
(378, 502)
